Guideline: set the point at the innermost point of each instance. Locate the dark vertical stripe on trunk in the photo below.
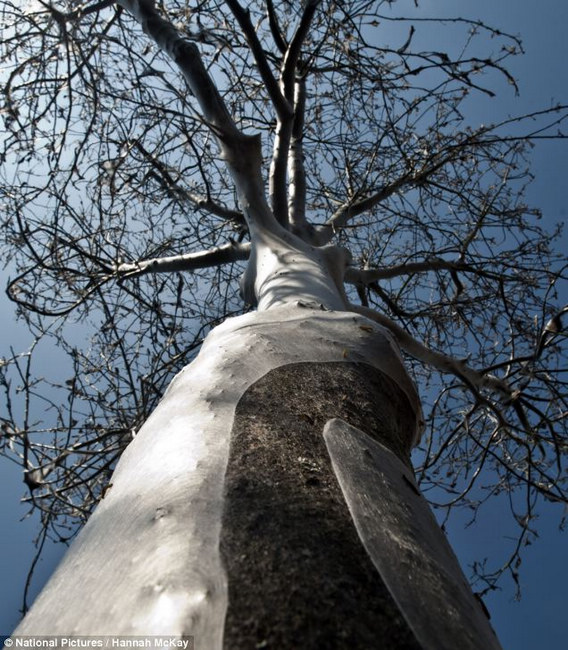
(299, 577)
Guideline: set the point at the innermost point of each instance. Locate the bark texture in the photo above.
(148, 562)
(297, 571)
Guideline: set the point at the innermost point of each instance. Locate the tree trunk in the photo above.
(225, 519)
(298, 574)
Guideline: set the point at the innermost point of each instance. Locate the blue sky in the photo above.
(537, 622)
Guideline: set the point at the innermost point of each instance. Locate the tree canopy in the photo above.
(120, 215)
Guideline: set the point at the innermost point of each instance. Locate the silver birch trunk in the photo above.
(229, 518)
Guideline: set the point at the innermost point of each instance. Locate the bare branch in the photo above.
(442, 362)
(296, 168)
(275, 28)
(367, 276)
(286, 122)
(186, 56)
(200, 202)
(241, 153)
(226, 254)
(292, 55)
(281, 105)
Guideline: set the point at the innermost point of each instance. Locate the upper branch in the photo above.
(352, 209)
(290, 127)
(82, 10)
(292, 55)
(205, 203)
(242, 153)
(281, 105)
(275, 28)
(186, 56)
(296, 168)
(422, 173)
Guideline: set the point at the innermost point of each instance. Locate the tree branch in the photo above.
(296, 169)
(368, 276)
(277, 179)
(442, 362)
(241, 153)
(414, 177)
(200, 202)
(282, 107)
(225, 254)
(275, 28)
(287, 126)
(350, 209)
(288, 74)
(186, 56)
(89, 9)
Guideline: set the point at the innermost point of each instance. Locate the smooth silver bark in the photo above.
(406, 544)
(148, 561)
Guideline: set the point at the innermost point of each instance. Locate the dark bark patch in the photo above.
(298, 574)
